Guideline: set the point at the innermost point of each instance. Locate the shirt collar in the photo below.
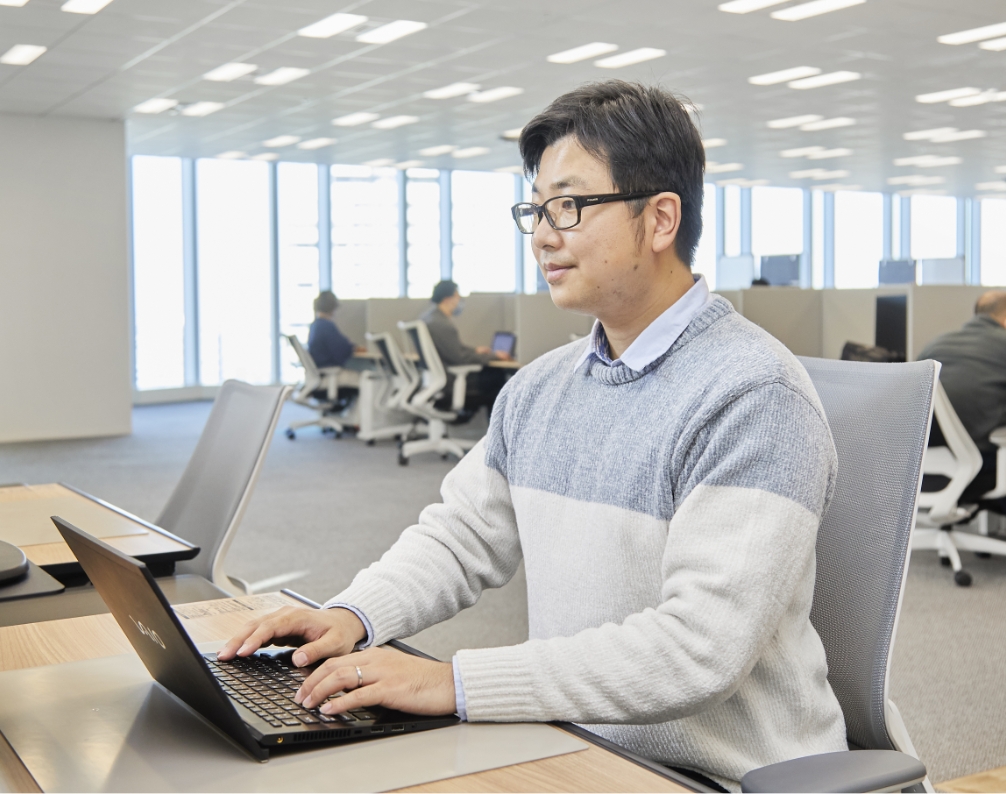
(656, 339)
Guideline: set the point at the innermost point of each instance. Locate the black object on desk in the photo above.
(21, 578)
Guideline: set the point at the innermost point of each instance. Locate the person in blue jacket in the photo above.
(327, 345)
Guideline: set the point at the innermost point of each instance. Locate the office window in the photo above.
(934, 227)
(297, 222)
(158, 272)
(732, 220)
(483, 229)
(235, 282)
(365, 254)
(859, 239)
(422, 218)
(817, 239)
(704, 263)
(776, 221)
(533, 280)
(993, 253)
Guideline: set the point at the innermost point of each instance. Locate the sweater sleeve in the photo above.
(441, 565)
(751, 487)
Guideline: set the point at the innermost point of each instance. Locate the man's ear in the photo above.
(666, 209)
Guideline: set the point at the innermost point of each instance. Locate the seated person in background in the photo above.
(974, 377)
(663, 480)
(327, 345)
(482, 387)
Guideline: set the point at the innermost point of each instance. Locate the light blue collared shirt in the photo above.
(656, 339)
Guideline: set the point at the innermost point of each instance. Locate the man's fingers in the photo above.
(328, 644)
(363, 697)
(328, 683)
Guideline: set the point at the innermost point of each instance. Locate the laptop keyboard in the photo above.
(266, 688)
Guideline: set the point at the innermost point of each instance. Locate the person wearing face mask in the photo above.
(483, 386)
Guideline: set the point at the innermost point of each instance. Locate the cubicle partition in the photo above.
(792, 315)
(541, 326)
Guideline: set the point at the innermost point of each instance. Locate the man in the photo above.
(483, 386)
(663, 482)
(974, 377)
(325, 342)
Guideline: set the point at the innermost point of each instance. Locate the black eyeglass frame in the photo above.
(581, 202)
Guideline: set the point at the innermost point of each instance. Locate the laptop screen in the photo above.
(504, 342)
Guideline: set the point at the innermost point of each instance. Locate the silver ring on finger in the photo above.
(359, 677)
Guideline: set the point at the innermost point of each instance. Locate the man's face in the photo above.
(598, 266)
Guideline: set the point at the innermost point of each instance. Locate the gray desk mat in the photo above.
(28, 522)
(104, 725)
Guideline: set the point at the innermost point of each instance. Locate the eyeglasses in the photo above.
(563, 212)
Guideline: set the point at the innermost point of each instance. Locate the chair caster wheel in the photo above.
(962, 579)
(290, 434)
(945, 562)
(370, 443)
(982, 555)
(336, 434)
(402, 460)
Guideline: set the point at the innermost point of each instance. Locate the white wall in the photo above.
(64, 286)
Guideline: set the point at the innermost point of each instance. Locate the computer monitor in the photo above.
(892, 324)
(896, 271)
(504, 342)
(781, 271)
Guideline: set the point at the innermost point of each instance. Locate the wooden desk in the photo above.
(59, 641)
(155, 546)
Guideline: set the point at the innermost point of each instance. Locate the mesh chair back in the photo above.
(429, 359)
(210, 498)
(312, 377)
(879, 416)
(404, 377)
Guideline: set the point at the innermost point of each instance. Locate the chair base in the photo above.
(324, 422)
(438, 441)
(948, 542)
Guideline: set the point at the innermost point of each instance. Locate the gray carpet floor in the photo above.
(332, 507)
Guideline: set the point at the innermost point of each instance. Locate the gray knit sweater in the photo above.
(667, 521)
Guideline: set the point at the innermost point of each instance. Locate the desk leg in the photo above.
(14, 776)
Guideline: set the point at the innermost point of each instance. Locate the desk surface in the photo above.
(151, 544)
(58, 641)
(372, 355)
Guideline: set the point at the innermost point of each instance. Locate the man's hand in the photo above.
(483, 350)
(320, 633)
(502, 355)
(390, 678)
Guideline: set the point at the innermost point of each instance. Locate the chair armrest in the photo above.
(998, 437)
(461, 374)
(330, 380)
(856, 770)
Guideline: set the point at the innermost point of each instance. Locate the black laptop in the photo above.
(249, 700)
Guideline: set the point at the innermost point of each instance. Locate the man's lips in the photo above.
(555, 271)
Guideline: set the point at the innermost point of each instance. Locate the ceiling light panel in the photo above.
(281, 140)
(229, 71)
(512, 135)
(392, 31)
(201, 108)
(927, 135)
(712, 167)
(592, 50)
(978, 99)
(713, 143)
(747, 6)
(232, 155)
(451, 91)
(354, 119)
(916, 180)
(282, 76)
(436, 151)
(946, 96)
(22, 54)
(974, 34)
(828, 154)
(783, 76)
(813, 9)
(158, 105)
(331, 26)
(265, 156)
(818, 173)
(316, 143)
(928, 161)
(392, 122)
(828, 124)
(84, 6)
(406, 164)
(495, 94)
(510, 169)
(793, 121)
(999, 185)
(1000, 169)
(631, 57)
(994, 45)
(380, 162)
(13, 3)
(822, 80)
(471, 151)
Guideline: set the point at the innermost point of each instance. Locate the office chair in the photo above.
(316, 379)
(422, 403)
(941, 511)
(210, 499)
(879, 416)
(401, 380)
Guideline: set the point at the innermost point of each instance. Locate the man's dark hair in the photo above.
(443, 291)
(992, 304)
(326, 302)
(642, 133)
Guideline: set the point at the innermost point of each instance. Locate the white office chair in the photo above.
(210, 499)
(399, 380)
(316, 378)
(434, 379)
(940, 512)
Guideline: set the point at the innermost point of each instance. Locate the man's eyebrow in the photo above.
(562, 184)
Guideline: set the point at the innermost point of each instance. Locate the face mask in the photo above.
(459, 308)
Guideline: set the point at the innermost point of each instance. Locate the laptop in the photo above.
(504, 342)
(249, 701)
